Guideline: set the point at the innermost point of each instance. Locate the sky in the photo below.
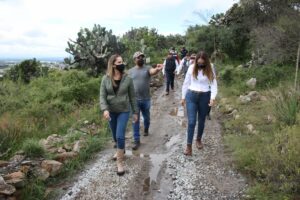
(41, 28)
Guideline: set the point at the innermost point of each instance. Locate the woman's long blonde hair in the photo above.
(110, 69)
(207, 71)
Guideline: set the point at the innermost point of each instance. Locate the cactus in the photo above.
(92, 48)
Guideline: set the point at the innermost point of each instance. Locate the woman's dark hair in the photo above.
(207, 70)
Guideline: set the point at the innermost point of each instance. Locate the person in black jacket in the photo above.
(170, 66)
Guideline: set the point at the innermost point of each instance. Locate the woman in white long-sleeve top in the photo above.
(199, 91)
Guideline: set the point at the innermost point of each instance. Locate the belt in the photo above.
(198, 92)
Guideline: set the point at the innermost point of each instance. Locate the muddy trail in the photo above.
(159, 170)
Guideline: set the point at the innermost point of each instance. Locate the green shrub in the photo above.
(32, 148)
(286, 106)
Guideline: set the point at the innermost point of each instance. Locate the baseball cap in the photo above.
(137, 54)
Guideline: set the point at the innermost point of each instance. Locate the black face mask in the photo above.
(201, 66)
(120, 67)
(140, 62)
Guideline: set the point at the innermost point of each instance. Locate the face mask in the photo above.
(120, 67)
(140, 62)
(201, 66)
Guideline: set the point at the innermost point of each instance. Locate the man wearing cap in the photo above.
(141, 76)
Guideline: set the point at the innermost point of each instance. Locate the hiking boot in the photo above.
(199, 144)
(188, 150)
(146, 132)
(120, 160)
(136, 145)
(116, 154)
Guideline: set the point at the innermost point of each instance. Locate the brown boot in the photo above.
(188, 150)
(120, 160)
(199, 144)
(115, 155)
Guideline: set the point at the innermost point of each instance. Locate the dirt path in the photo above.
(159, 170)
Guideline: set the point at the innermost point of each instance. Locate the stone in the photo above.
(65, 156)
(17, 158)
(228, 109)
(41, 173)
(244, 99)
(254, 96)
(68, 147)
(16, 179)
(52, 166)
(7, 189)
(250, 128)
(4, 163)
(76, 147)
(61, 150)
(263, 98)
(251, 83)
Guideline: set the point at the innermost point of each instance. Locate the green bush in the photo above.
(32, 148)
(286, 106)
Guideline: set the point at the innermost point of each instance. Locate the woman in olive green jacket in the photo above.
(116, 97)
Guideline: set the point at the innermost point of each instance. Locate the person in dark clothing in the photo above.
(170, 66)
(183, 52)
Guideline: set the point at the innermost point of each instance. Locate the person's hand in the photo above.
(106, 115)
(134, 118)
(183, 102)
(211, 103)
(159, 67)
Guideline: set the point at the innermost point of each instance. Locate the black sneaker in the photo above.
(136, 145)
(146, 133)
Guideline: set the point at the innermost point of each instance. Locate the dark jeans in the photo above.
(144, 107)
(197, 105)
(118, 125)
(170, 80)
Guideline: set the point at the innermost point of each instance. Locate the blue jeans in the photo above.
(170, 80)
(118, 124)
(196, 104)
(144, 107)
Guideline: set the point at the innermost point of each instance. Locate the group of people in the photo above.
(124, 94)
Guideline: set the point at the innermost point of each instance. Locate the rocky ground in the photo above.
(159, 170)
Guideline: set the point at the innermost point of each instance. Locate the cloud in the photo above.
(44, 26)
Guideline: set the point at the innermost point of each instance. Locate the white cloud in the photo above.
(42, 27)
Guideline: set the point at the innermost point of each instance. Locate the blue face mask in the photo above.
(201, 66)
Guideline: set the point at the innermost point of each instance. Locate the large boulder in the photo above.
(52, 166)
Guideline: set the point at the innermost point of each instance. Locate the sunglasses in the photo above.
(192, 58)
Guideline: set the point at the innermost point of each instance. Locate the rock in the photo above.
(65, 156)
(25, 169)
(254, 96)
(17, 158)
(250, 128)
(3, 163)
(54, 139)
(16, 179)
(67, 147)
(6, 189)
(228, 109)
(244, 99)
(76, 147)
(52, 166)
(61, 150)
(41, 174)
(251, 83)
(86, 122)
(270, 119)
